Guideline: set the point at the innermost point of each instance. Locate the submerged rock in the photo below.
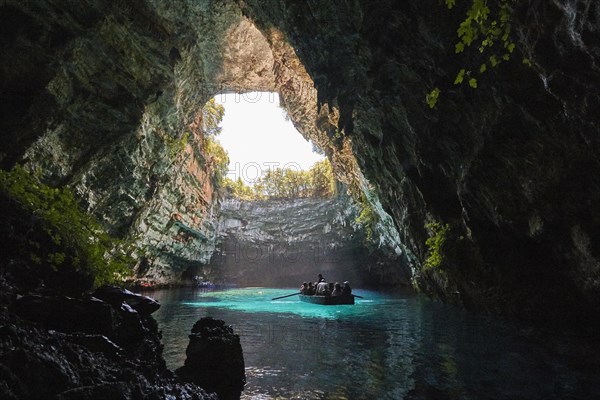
(215, 359)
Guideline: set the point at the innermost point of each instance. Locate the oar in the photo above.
(289, 295)
(360, 297)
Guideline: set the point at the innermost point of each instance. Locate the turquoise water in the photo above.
(387, 346)
(258, 300)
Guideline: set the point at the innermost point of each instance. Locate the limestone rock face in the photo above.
(106, 98)
(511, 167)
(101, 96)
(286, 242)
(114, 113)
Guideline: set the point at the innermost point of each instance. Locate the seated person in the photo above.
(310, 290)
(304, 288)
(346, 290)
(337, 290)
(323, 289)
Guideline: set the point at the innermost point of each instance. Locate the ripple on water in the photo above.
(387, 346)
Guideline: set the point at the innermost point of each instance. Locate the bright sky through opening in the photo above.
(258, 137)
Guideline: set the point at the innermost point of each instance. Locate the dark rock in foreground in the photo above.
(214, 359)
(58, 347)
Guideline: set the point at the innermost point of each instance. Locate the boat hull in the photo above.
(327, 300)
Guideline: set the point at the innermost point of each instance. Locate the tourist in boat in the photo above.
(320, 279)
(323, 289)
(337, 289)
(346, 290)
(311, 289)
(304, 288)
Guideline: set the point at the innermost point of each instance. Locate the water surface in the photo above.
(387, 346)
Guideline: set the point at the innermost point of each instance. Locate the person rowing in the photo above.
(304, 288)
(346, 290)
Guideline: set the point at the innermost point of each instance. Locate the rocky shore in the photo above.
(100, 346)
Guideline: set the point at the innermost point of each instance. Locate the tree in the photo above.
(239, 189)
(216, 156)
(322, 181)
(212, 116)
(217, 159)
(317, 182)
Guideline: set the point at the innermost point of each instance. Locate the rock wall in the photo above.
(105, 98)
(286, 242)
(102, 93)
(511, 167)
(104, 101)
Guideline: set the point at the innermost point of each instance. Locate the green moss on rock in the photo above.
(50, 240)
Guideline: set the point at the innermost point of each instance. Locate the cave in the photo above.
(485, 192)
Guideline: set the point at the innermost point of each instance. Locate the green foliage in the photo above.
(216, 155)
(322, 181)
(490, 29)
(239, 189)
(218, 159)
(367, 217)
(212, 115)
(317, 182)
(432, 97)
(58, 235)
(283, 184)
(176, 145)
(460, 77)
(487, 29)
(436, 244)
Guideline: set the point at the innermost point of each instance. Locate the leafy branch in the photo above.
(488, 28)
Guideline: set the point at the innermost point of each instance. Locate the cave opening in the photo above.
(272, 180)
(258, 136)
(483, 198)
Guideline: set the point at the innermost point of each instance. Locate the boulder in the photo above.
(215, 359)
(65, 348)
(119, 323)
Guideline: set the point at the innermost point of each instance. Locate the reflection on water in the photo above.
(387, 346)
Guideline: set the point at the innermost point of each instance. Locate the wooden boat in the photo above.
(327, 300)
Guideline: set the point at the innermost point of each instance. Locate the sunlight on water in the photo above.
(386, 346)
(256, 299)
